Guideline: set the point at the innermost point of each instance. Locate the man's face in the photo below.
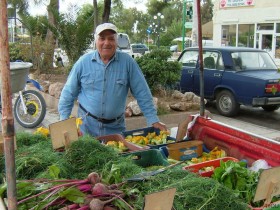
(106, 44)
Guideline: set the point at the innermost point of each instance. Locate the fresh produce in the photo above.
(89, 193)
(212, 155)
(43, 131)
(238, 178)
(60, 183)
(150, 138)
(117, 145)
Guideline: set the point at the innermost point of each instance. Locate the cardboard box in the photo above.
(185, 150)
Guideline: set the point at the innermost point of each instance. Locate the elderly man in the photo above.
(100, 81)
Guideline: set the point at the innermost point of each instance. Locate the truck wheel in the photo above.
(270, 108)
(226, 104)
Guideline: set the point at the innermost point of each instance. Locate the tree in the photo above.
(158, 70)
(206, 11)
(75, 33)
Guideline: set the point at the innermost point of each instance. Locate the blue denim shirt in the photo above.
(102, 89)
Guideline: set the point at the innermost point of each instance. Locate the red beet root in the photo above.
(94, 178)
(97, 204)
(99, 189)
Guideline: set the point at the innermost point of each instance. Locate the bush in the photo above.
(158, 71)
(14, 51)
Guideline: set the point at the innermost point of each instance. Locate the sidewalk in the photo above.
(171, 120)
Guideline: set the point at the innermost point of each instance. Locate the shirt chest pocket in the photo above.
(121, 82)
(87, 83)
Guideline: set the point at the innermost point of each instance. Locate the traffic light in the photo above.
(190, 12)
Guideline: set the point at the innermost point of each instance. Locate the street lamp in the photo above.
(158, 17)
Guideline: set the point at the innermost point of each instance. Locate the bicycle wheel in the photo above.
(36, 109)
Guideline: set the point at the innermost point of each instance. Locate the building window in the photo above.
(277, 27)
(246, 35)
(228, 35)
(265, 26)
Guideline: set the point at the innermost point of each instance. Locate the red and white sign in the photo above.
(235, 3)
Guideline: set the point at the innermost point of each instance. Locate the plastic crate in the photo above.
(144, 132)
(146, 158)
(196, 168)
(118, 137)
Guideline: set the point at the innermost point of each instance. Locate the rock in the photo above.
(55, 89)
(133, 105)
(45, 85)
(181, 106)
(177, 95)
(188, 96)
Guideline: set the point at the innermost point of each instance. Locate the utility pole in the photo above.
(194, 35)
(183, 24)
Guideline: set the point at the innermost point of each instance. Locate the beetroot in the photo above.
(109, 208)
(94, 178)
(97, 204)
(99, 189)
(85, 187)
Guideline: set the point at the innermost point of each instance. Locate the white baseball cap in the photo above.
(105, 26)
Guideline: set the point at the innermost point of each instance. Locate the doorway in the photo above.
(265, 42)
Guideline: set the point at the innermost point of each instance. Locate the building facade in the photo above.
(248, 23)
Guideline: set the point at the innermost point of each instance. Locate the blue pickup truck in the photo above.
(233, 76)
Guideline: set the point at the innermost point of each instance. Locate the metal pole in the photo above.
(183, 24)
(195, 26)
(201, 72)
(8, 128)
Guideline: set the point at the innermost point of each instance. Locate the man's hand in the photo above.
(160, 126)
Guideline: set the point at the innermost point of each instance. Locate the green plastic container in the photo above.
(147, 158)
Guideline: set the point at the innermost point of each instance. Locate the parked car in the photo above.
(139, 48)
(233, 76)
(173, 48)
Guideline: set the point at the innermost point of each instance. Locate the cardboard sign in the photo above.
(268, 185)
(63, 133)
(160, 200)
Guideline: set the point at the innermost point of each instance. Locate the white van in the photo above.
(124, 43)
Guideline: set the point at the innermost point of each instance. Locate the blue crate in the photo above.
(144, 132)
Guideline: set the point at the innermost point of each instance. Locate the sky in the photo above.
(64, 5)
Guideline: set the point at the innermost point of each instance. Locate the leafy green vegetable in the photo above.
(73, 194)
(237, 177)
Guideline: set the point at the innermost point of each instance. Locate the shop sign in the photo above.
(188, 24)
(235, 3)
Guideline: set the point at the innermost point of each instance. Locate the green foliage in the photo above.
(15, 52)
(237, 177)
(206, 11)
(158, 70)
(75, 34)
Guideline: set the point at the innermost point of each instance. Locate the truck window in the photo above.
(189, 58)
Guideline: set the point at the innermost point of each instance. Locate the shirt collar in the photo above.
(96, 56)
